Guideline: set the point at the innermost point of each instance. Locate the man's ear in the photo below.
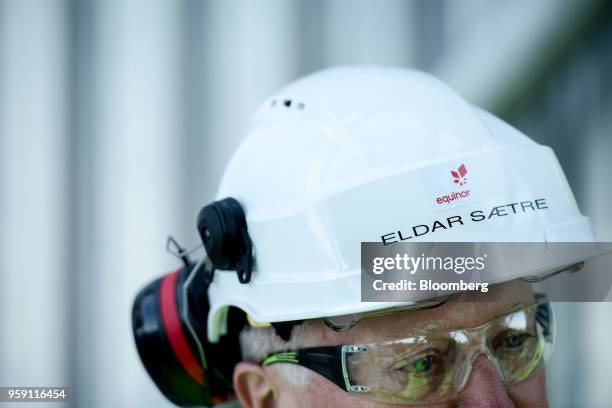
(252, 386)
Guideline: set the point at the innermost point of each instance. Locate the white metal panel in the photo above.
(135, 158)
(33, 118)
(369, 32)
(490, 46)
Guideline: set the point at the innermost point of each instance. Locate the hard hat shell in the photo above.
(364, 154)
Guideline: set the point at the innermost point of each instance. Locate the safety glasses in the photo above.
(434, 367)
(348, 321)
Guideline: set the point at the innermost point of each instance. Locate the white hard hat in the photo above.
(364, 154)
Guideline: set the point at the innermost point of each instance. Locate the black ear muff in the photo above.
(173, 345)
(165, 347)
(169, 316)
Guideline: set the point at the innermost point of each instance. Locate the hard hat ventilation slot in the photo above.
(288, 103)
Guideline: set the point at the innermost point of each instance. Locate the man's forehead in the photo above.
(456, 313)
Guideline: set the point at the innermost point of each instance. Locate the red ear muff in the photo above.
(169, 316)
(166, 348)
(173, 347)
(174, 331)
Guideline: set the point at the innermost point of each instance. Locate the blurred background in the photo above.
(117, 118)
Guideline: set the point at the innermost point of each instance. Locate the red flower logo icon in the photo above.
(459, 175)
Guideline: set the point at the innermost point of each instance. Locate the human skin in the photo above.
(258, 386)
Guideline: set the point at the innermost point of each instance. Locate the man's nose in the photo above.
(484, 388)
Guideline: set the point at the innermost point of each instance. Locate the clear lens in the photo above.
(435, 367)
(517, 345)
(409, 370)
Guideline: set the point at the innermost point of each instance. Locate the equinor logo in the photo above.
(458, 177)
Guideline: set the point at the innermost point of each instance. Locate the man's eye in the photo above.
(422, 365)
(515, 340)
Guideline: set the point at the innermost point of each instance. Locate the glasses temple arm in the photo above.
(326, 361)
